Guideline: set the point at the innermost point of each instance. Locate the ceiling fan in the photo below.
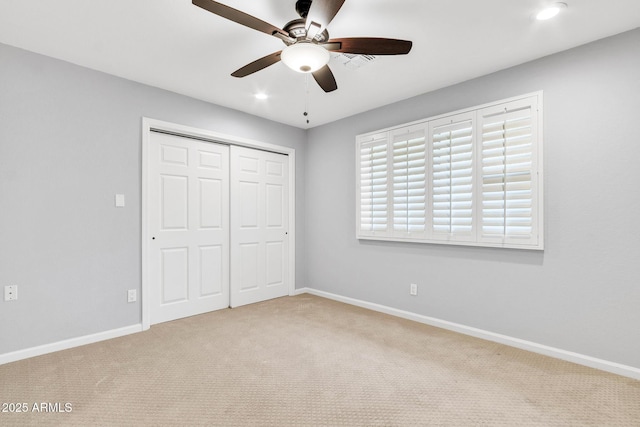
(307, 40)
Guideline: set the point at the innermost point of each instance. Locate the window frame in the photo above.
(477, 115)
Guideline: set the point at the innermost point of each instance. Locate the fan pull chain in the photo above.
(306, 98)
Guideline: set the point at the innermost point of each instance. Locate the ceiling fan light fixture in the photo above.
(305, 57)
(550, 11)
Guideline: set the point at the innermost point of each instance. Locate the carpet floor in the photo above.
(308, 361)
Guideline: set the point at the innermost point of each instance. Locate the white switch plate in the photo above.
(131, 295)
(11, 293)
(119, 200)
(413, 289)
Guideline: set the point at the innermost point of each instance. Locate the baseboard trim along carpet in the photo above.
(67, 344)
(580, 359)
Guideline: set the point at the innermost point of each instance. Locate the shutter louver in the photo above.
(507, 175)
(373, 187)
(409, 179)
(452, 179)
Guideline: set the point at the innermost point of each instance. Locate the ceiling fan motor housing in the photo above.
(297, 30)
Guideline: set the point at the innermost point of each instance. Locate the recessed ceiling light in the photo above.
(550, 11)
(261, 95)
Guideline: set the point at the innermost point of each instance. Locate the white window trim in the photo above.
(534, 99)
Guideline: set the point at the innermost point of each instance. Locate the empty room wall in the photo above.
(70, 139)
(582, 294)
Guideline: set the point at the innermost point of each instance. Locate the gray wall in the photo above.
(581, 294)
(70, 139)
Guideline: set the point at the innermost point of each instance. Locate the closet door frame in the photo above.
(149, 125)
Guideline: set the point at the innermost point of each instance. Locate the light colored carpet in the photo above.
(306, 360)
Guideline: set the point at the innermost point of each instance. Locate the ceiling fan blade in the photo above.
(325, 79)
(239, 17)
(322, 12)
(369, 46)
(257, 65)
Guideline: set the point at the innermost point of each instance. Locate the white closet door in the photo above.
(259, 226)
(188, 227)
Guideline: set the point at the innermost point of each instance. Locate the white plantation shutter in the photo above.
(452, 178)
(373, 187)
(472, 177)
(508, 176)
(409, 182)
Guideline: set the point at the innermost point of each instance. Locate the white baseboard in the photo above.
(67, 344)
(580, 359)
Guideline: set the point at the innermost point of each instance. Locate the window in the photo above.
(472, 177)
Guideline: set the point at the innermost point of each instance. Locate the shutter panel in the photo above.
(508, 180)
(452, 178)
(373, 192)
(409, 182)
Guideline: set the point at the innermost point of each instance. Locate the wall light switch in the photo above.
(119, 200)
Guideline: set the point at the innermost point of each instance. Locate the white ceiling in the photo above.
(177, 46)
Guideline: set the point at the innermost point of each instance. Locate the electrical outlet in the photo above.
(11, 293)
(413, 289)
(131, 295)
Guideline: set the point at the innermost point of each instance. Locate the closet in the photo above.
(217, 226)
